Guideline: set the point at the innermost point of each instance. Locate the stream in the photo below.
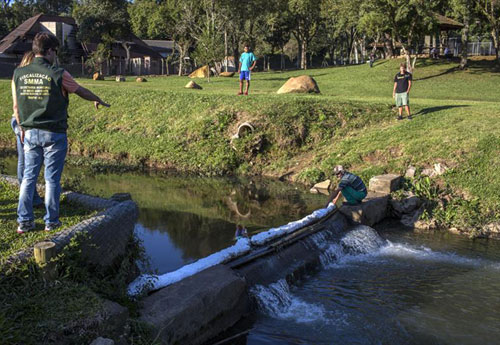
(397, 287)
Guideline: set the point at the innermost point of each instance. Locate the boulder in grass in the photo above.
(97, 76)
(141, 80)
(202, 72)
(193, 85)
(226, 74)
(120, 79)
(300, 84)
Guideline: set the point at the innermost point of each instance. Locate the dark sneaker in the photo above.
(25, 227)
(52, 226)
(410, 117)
(246, 93)
(400, 117)
(240, 93)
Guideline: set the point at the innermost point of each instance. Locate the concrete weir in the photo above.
(198, 308)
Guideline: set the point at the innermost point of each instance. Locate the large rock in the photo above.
(322, 187)
(226, 74)
(202, 72)
(405, 206)
(300, 84)
(386, 184)
(197, 308)
(193, 85)
(97, 76)
(372, 210)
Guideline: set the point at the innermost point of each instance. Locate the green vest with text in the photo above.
(40, 99)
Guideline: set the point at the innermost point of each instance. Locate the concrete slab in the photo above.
(387, 183)
(371, 211)
(197, 308)
(322, 187)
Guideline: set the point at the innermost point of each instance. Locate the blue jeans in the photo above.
(49, 148)
(20, 161)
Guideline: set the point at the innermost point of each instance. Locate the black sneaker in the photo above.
(24, 227)
(400, 117)
(410, 117)
(52, 226)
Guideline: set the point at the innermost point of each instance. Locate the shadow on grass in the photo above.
(448, 71)
(430, 110)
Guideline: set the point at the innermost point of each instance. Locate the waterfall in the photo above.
(277, 300)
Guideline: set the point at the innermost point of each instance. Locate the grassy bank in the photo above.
(351, 122)
(65, 310)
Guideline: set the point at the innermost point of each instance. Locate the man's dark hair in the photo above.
(402, 64)
(43, 42)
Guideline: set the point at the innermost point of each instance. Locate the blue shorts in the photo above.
(245, 75)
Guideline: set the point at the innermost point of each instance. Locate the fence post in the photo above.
(83, 68)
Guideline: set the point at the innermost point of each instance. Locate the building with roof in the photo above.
(143, 59)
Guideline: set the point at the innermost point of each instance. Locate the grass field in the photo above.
(352, 122)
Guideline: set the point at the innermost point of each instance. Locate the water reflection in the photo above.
(186, 218)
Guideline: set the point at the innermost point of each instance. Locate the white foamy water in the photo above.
(276, 300)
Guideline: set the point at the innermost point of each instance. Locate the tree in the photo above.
(275, 29)
(462, 10)
(105, 22)
(490, 10)
(209, 38)
(150, 20)
(305, 16)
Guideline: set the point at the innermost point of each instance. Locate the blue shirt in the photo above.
(246, 60)
(353, 181)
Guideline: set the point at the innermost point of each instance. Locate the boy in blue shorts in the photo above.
(247, 64)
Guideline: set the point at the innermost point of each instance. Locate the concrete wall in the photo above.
(202, 306)
(108, 231)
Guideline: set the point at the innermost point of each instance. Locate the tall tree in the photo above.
(105, 22)
(209, 37)
(462, 10)
(490, 10)
(305, 15)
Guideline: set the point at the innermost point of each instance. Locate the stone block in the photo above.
(321, 187)
(197, 308)
(386, 184)
(410, 172)
(372, 210)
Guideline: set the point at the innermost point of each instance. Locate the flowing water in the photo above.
(400, 288)
(394, 287)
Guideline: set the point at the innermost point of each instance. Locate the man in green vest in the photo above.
(40, 100)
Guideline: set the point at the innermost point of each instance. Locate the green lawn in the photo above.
(352, 122)
(10, 241)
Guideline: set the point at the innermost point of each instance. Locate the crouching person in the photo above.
(351, 187)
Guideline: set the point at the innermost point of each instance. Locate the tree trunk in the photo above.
(126, 46)
(494, 35)
(465, 40)
(303, 59)
(225, 49)
(299, 53)
(355, 47)
(389, 48)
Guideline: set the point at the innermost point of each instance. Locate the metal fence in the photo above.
(473, 48)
